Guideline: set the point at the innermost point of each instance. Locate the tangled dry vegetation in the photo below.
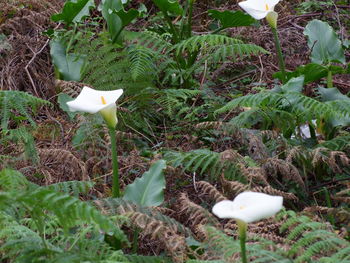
(241, 159)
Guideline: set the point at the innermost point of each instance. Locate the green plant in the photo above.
(327, 53)
(287, 108)
(17, 109)
(46, 222)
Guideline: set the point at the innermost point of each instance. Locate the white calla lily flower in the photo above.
(93, 101)
(258, 9)
(249, 207)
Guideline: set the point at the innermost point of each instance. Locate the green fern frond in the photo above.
(234, 51)
(337, 144)
(154, 41)
(221, 245)
(204, 161)
(69, 210)
(18, 103)
(12, 180)
(142, 61)
(71, 187)
(196, 43)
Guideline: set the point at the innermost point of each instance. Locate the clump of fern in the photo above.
(18, 110)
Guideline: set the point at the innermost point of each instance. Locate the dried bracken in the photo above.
(289, 172)
(272, 191)
(174, 244)
(335, 159)
(210, 191)
(26, 65)
(232, 188)
(57, 165)
(195, 214)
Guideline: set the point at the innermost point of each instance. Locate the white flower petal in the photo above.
(253, 10)
(258, 8)
(249, 207)
(90, 100)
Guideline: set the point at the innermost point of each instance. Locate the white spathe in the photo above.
(258, 8)
(92, 101)
(249, 207)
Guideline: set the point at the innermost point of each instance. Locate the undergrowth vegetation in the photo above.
(209, 110)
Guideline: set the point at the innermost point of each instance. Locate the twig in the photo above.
(31, 61)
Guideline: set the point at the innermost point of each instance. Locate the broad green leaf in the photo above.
(324, 43)
(293, 85)
(328, 94)
(232, 18)
(149, 189)
(170, 6)
(74, 11)
(117, 18)
(312, 72)
(68, 65)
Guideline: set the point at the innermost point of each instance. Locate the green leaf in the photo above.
(232, 18)
(68, 65)
(149, 189)
(329, 94)
(62, 100)
(74, 11)
(293, 85)
(169, 6)
(324, 42)
(117, 18)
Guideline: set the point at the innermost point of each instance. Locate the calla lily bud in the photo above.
(271, 18)
(109, 114)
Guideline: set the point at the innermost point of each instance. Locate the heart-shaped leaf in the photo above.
(74, 11)
(232, 18)
(68, 65)
(172, 7)
(324, 43)
(149, 189)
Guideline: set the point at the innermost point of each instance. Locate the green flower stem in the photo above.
(329, 79)
(115, 183)
(279, 54)
(242, 229)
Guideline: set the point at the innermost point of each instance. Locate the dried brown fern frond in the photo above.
(71, 88)
(278, 240)
(26, 65)
(195, 214)
(335, 159)
(59, 165)
(232, 188)
(272, 191)
(255, 175)
(295, 153)
(210, 125)
(174, 244)
(256, 148)
(275, 166)
(210, 191)
(231, 155)
(340, 214)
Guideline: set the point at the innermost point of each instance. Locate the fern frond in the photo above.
(142, 62)
(71, 187)
(234, 51)
(18, 103)
(196, 43)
